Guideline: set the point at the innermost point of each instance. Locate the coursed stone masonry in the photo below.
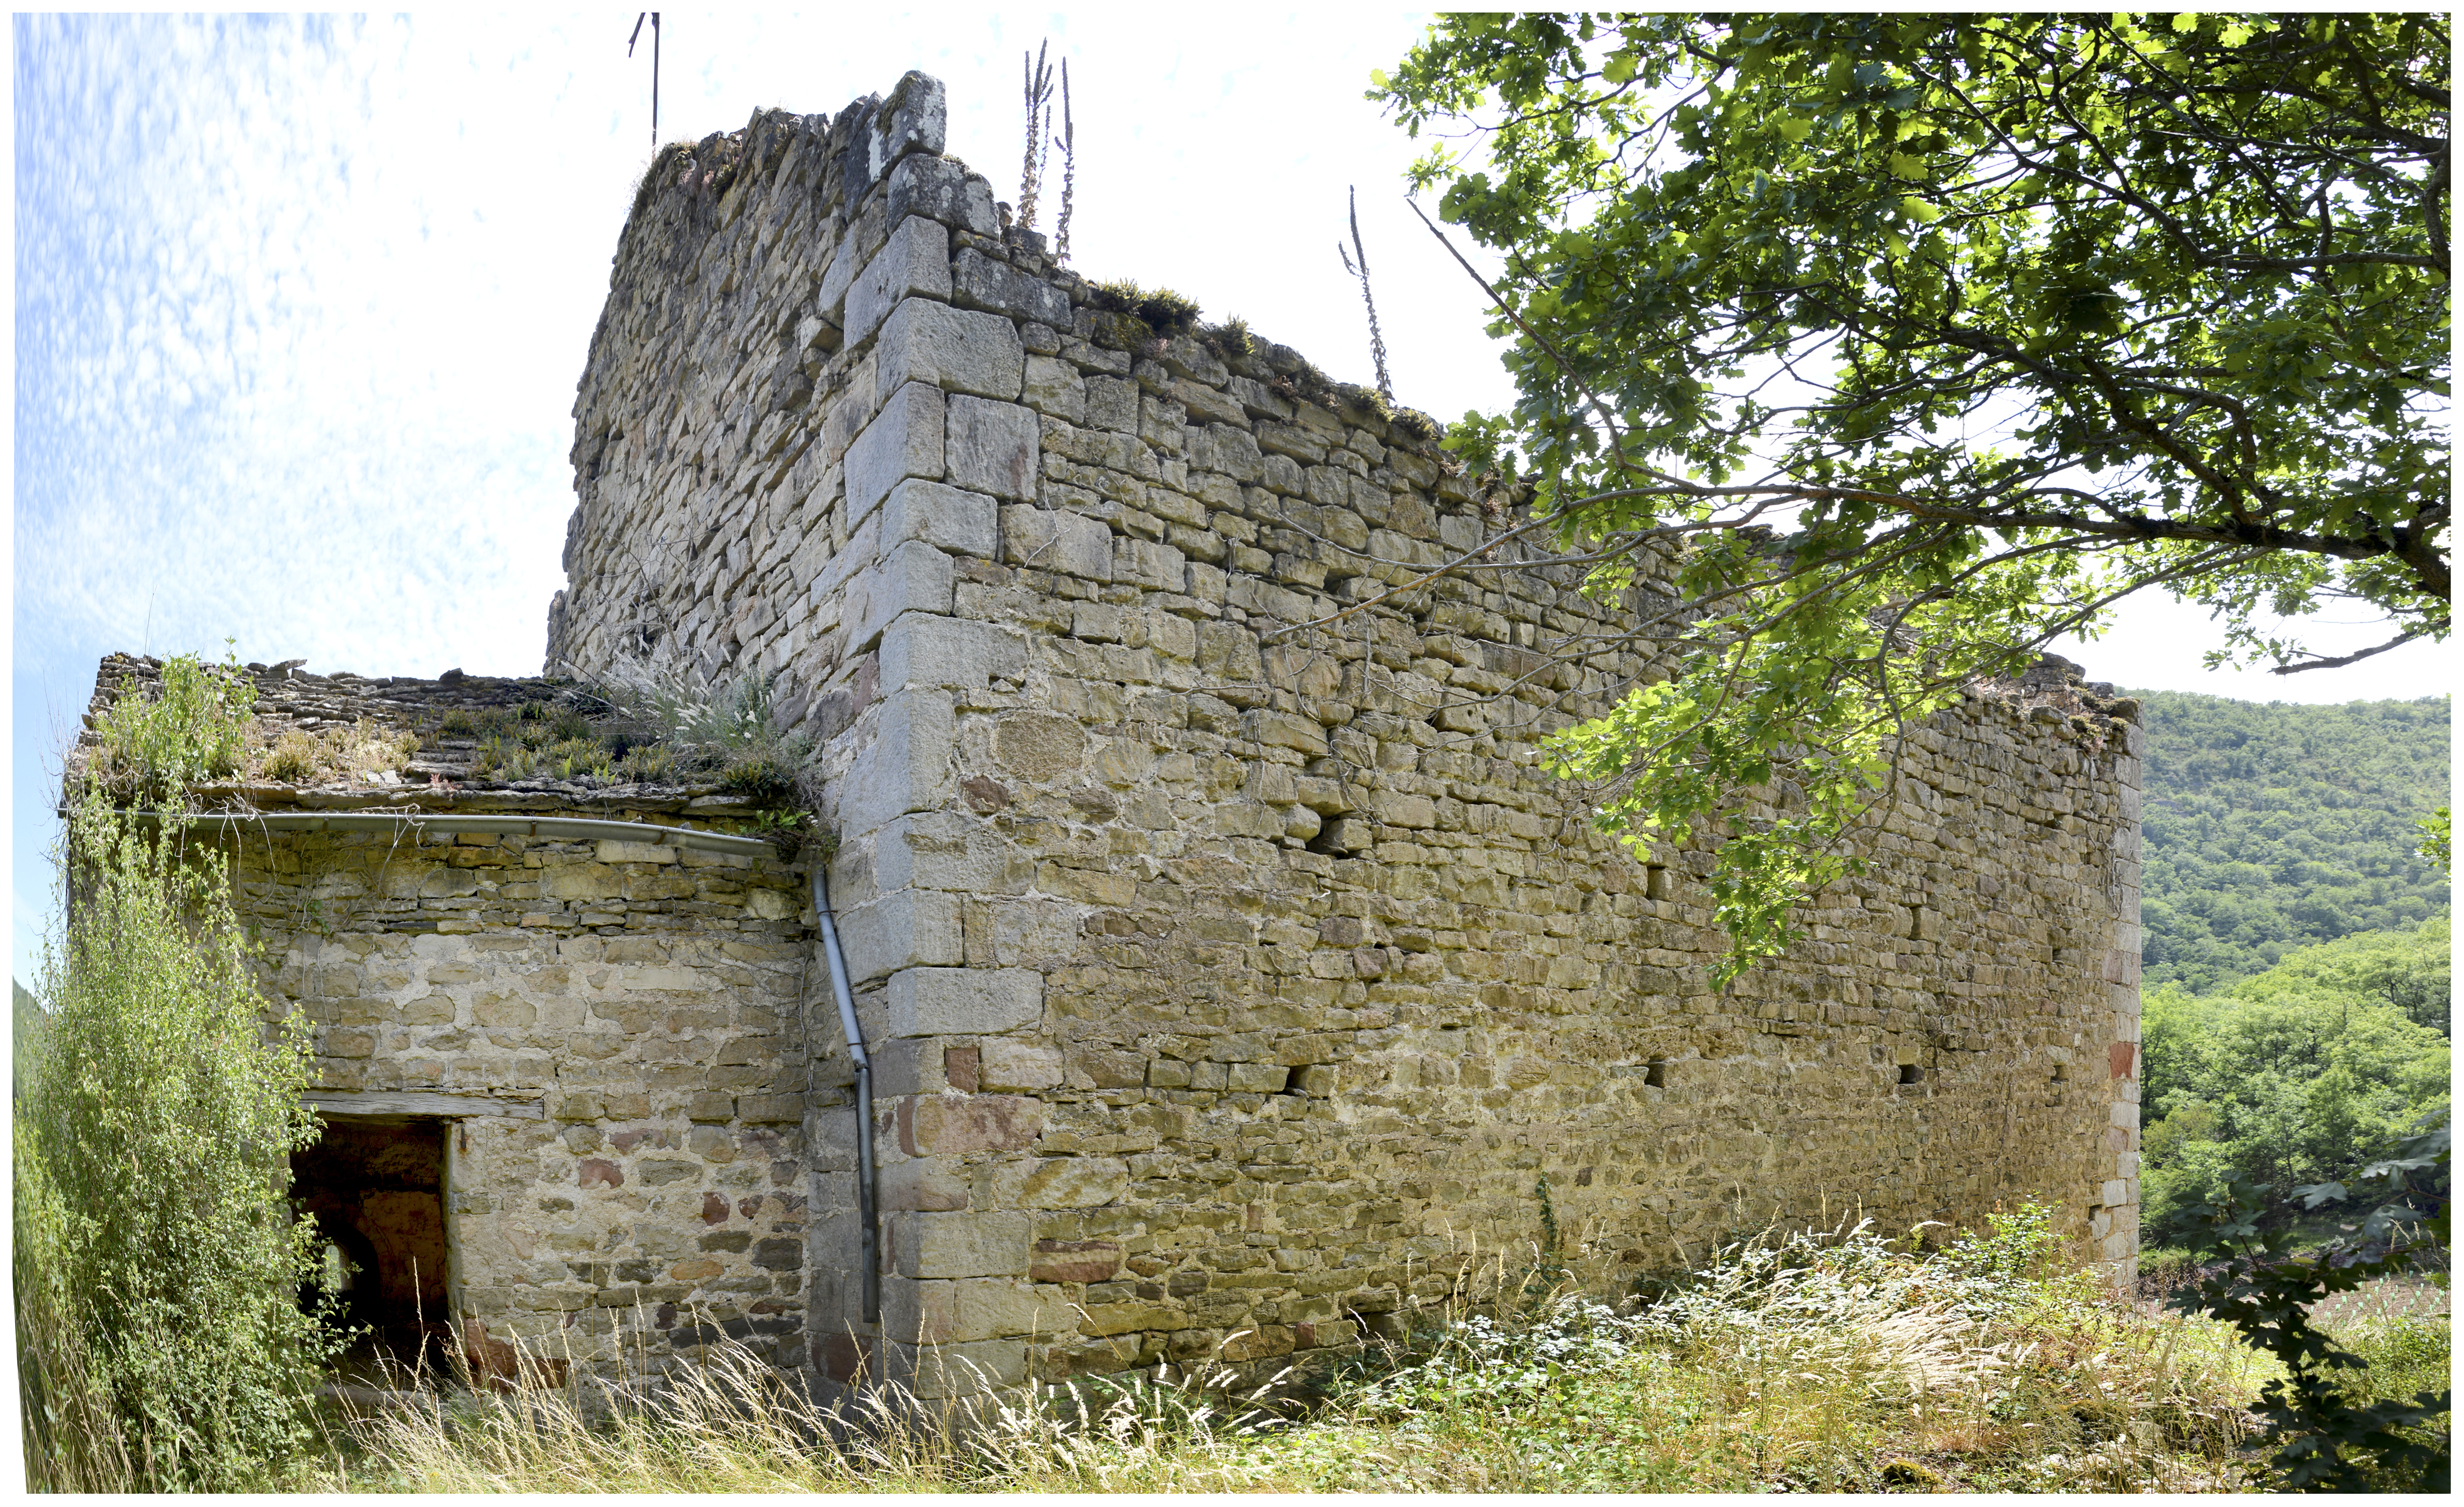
(1237, 970)
(1232, 968)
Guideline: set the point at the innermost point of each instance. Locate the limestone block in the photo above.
(959, 1244)
(945, 517)
(1074, 1260)
(903, 930)
(1070, 543)
(913, 262)
(962, 1001)
(994, 447)
(906, 766)
(940, 188)
(1054, 386)
(979, 282)
(919, 650)
(903, 440)
(914, 578)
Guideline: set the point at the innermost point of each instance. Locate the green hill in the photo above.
(2271, 827)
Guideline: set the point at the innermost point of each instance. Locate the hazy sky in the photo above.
(301, 305)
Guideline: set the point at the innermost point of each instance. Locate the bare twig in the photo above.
(1376, 339)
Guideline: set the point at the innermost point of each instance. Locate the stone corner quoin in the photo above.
(1226, 978)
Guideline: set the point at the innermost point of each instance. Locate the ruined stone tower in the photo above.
(1225, 974)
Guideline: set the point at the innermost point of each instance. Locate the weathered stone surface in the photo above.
(1310, 967)
(993, 447)
(914, 262)
(958, 350)
(944, 1001)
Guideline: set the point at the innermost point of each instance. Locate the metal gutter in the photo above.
(506, 825)
(867, 1203)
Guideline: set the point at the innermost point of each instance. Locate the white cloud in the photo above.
(300, 304)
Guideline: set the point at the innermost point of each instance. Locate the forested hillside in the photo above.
(2271, 827)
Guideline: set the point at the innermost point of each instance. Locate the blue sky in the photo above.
(299, 305)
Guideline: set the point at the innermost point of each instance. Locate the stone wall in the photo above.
(1234, 970)
(625, 1182)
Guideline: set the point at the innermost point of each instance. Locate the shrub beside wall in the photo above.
(160, 1339)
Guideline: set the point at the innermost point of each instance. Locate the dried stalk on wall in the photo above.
(1039, 126)
(1067, 142)
(1377, 340)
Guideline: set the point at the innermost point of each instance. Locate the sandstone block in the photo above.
(1232, 451)
(1074, 1261)
(914, 117)
(1069, 543)
(980, 282)
(1075, 1182)
(994, 447)
(964, 1369)
(940, 188)
(958, 350)
(1038, 748)
(905, 767)
(1156, 567)
(1258, 1078)
(945, 517)
(914, 578)
(955, 1124)
(616, 852)
(1017, 1067)
(1112, 404)
(1054, 386)
(905, 439)
(922, 1183)
(919, 650)
(914, 262)
(963, 1001)
(948, 1245)
(906, 928)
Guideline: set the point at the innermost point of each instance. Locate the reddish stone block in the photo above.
(1074, 1261)
(599, 1174)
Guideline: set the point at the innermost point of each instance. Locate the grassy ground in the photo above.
(1826, 1364)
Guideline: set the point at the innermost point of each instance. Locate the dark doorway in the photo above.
(376, 1189)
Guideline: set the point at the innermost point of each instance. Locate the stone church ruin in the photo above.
(1222, 974)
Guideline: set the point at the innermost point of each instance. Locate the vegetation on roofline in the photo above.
(196, 724)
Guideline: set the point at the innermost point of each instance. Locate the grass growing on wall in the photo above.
(1826, 1362)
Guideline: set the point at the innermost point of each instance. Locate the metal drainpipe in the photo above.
(871, 1231)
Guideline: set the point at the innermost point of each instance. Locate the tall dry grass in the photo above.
(1833, 1362)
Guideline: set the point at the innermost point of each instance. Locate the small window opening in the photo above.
(2061, 1074)
(1910, 1073)
(1655, 882)
(1656, 1076)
